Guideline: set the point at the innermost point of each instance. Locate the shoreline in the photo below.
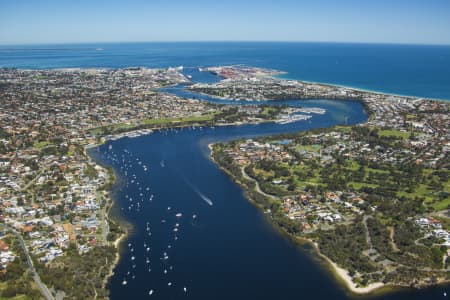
(111, 273)
(343, 276)
(116, 243)
(355, 88)
(340, 274)
(122, 237)
(359, 89)
(326, 84)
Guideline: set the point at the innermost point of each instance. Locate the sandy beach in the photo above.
(343, 274)
(347, 279)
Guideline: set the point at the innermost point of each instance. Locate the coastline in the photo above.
(343, 276)
(116, 243)
(325, 84)
(360, 89)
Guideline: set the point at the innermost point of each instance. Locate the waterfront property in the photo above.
(355, 191)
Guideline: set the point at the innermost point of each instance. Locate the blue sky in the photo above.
(78, 21)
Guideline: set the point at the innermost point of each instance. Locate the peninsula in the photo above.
(373, 198)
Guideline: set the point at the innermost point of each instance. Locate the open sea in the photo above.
(415, 70)
(194, 235)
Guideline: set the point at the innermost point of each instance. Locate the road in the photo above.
(103, 220)
(25, 188)
(44, 290)
(368, 239)
(257, 188)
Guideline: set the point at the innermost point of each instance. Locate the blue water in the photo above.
(230, 250)
(422, 71)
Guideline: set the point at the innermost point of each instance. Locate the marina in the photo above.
(130, 134)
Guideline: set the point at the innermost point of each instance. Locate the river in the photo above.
(221, 247)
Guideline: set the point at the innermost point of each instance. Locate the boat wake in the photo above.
(206, 199)
(196, 190)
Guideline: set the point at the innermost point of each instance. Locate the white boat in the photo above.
(150, 292)
(178, 215)
(124, 282)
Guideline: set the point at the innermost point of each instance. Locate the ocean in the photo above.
(415, 70)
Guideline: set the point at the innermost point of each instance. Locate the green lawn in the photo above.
(308, 148)
(442, 204)
(352, 165)
(393, 133)
(164, 121)
(367, 170)
(267, 110)
(359, 185)
(99, 130)
(20, 297)
(343, 128)
(40, 145)
(431, 199)
(264, 174)
(161, 121)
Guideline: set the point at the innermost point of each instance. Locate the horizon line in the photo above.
(223, 41)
